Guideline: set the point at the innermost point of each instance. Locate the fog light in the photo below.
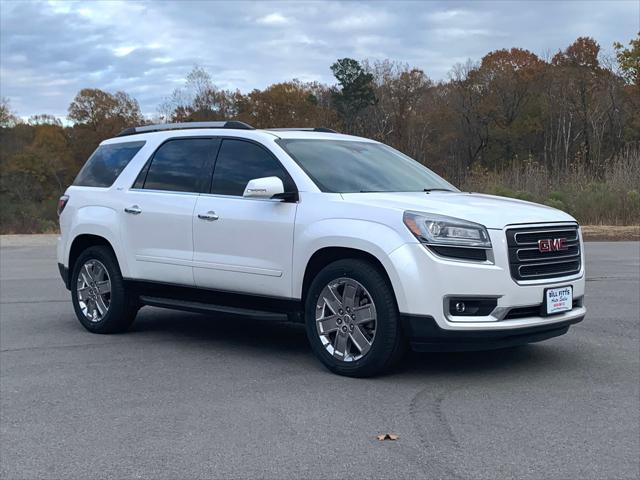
(472, 306)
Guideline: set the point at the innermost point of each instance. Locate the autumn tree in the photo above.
(464, 94)
(629, 68)
(287, 104)
(98, 115)
(355, 92)
(199, 100)
(563, 130)
(7, 117)
(44, 119)
(586, 100)
(36, 175)
(102, 110)
(629, 60)
(509, 81)
(398, 117)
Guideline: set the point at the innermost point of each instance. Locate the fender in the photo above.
(374, 238)
(100, 221)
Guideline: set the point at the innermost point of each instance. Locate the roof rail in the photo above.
(318, 129)
(184, 126)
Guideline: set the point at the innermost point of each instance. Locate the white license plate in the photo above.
(558, 299)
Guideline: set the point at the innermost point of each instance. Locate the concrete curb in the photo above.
(31, 240)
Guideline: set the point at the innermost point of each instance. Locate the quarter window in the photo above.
(240, 161)
(106, 164)
(182, 165)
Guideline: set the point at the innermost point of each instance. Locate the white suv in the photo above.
(367, 247)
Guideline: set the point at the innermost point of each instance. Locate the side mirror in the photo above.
(266, 187)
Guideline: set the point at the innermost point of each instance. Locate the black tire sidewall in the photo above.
(120, 313)
(388, 333)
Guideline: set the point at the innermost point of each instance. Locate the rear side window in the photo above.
(106, 164)
(239, 161)
(182, 165)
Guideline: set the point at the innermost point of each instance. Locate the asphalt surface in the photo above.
(190, 396)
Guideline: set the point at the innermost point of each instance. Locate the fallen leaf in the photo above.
(388, 436)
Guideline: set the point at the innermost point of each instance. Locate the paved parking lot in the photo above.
(190, 396)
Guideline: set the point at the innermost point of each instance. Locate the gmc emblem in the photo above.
(552, 245)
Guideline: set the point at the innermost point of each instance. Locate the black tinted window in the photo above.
(106, 163)
(239, 161)
(181, 166)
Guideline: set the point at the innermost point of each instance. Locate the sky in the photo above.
(50, 50)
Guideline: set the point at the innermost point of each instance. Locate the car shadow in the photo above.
(270, 334)
(276, 336)
(507, 359)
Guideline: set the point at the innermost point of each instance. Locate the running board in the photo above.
(201, 307)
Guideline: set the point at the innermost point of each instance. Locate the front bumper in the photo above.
(426, 336)
(428, 280)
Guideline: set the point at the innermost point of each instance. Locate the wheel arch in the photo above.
(97, 224)
(326, 255)
(329, 239)
(80, 243)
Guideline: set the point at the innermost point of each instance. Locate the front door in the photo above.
(244, 244)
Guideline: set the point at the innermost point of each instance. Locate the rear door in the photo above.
(244, 244)
(158, 210)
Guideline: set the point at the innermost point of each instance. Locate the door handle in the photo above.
(133, 210)
(210, 216)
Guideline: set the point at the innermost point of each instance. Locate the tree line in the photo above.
(562, 130)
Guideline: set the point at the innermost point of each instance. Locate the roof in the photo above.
(226, 124)
(233, 128)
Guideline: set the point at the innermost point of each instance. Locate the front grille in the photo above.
(527, 262)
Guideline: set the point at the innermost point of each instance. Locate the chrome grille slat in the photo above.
(554, 257)
(570, 234)
(526, 262)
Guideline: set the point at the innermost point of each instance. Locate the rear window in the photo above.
(106, 164)
(182, 165)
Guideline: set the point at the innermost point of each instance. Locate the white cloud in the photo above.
(123, 51)
(146, 48)
(464, 32)
(447, 15)
(273, 19)
(361, 20)
(166, 59)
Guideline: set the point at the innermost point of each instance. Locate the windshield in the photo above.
(343, 166)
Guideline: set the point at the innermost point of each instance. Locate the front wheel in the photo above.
(352, 320)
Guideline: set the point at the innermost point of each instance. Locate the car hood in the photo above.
(488, 210)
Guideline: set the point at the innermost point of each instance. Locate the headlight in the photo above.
(439, 230)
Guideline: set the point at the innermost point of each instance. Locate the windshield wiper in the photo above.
(427, 190)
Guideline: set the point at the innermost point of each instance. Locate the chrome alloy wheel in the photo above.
(346, 319)
(93, 289)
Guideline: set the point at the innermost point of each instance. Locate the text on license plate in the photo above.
(558, 299)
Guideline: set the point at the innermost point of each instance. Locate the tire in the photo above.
(384, 336)
(116, 309)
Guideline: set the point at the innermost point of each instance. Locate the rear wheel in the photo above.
(100, 299)
(352, 320)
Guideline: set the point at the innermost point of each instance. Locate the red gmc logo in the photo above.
(552, 245)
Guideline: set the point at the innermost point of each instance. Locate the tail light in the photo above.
(62, 202)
